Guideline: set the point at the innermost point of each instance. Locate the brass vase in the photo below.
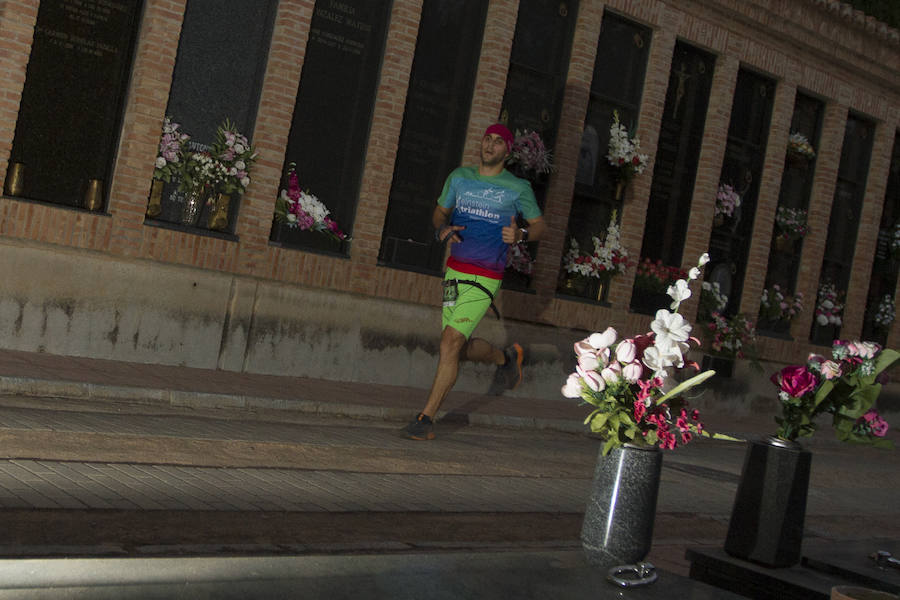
(218, 216)
(15, 179)
(193, 203)
(93, 196)
(620, 189)
(154, 205)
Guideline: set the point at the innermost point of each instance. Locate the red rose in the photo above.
(795, 380)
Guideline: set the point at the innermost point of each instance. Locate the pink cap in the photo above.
(503, 132)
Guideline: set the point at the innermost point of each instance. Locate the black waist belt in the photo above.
(483, 289)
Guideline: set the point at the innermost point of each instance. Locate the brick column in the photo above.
(869, 220)
(767, 202)
(270, 135)
(490, 81)
(384, 136)
(148, 94)
(637, 196)
(17, 20)
(709, 168)
(824, 183)
(568, 146)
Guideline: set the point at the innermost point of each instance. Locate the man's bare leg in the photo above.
(452, 344)
(479, 350)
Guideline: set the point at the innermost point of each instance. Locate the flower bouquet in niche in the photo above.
(301, 210)
(829, 307)
(654, 276)
(234, 152)
(609, 258)
(712, 300)
(776, 306)
(518, 258)
(727, 200)
(731, 337)
(791, 223)
(170, 157)
(169, 163)
(884, 313)
(799, 147)
(529, 156)
(624, 155)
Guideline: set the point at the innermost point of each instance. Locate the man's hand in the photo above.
(448, 233)
(511, 231)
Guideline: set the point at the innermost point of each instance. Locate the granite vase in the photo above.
(618, 521)
(766, 525)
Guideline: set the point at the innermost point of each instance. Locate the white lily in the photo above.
(679, 292)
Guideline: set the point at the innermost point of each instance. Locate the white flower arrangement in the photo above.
(798, 144)
(609, 257)
(829, 309)
(624, 150)
(201, 172)
(299, 209)
(884, 314)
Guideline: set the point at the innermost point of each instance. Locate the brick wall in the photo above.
(818, 47)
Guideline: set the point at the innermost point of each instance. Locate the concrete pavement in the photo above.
(131, 459)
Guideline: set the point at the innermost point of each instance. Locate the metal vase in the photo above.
(154, 204)
(618, 521)
(193, 204)
(766, 523)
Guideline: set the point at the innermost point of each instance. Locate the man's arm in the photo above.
(536, 228)
(444, 232)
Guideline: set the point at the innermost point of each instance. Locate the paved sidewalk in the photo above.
(43, 375)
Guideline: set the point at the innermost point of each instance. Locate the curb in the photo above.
(145, 396)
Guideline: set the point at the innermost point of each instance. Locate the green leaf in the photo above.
(885, 359)
(686, 385)
(609, 445)
(597, 419)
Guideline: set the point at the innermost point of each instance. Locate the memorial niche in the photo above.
(617, 84)
(880, 303)
(333, 112)
(675, 166)
(219, 68)
(532, 101)
(843, 225)
(796, 188)
(748, 133)
(72, 102)
(434, 128)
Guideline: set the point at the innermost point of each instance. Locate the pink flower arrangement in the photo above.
(236, 155)
(727, 199)
(529, 153)
(518, 258)
(731, 337)
(629, 384)
(845, 386)
(170, 159)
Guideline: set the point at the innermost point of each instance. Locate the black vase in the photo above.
(766, 524)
